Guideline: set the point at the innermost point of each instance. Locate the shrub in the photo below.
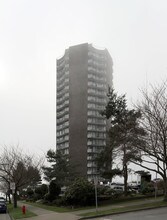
(54, 191)
(146, 188)
(80, 193)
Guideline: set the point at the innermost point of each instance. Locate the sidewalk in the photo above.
(43, 214)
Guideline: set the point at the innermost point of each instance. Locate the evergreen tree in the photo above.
(105, 161)
(125, 132)
(59, 168)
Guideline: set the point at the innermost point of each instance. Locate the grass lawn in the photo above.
(16, 213)
(125, 209)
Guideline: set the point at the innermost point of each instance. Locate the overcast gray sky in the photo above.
(33, 33)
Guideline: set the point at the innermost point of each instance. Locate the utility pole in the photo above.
(155, 185)
(95, 183)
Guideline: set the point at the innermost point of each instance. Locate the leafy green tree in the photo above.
(125, 132)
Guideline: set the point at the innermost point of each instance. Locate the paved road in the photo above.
(151, 214)
(4, 216)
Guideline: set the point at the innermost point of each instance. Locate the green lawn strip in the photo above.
(123, 202)
(16, 213)
(125, 209)
(129, 200)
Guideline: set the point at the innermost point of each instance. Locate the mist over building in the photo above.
(83, 76)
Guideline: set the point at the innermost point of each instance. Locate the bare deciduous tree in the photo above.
(154, 120)
(19, 168)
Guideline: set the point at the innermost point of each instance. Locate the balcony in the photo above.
(63, 105)
(63, 86)
(63, 113)
(97, 92)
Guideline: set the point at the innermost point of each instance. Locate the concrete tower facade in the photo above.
(83, 76)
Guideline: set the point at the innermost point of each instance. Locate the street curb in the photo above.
(10, 216)
(104, 215)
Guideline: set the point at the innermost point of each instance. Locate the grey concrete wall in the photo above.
(78, 56)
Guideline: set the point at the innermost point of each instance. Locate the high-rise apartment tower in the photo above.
(83, 76)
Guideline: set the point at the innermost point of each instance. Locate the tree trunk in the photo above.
(125, 180)
(15, 199)
(125, 170)
(9, 198)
